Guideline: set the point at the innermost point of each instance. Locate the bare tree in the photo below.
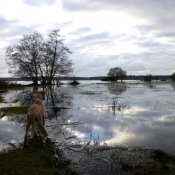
(55, 58)
(34, 58)
(24, 57)
(116, 73)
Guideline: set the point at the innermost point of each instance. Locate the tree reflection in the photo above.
(117, 105)
(172, 84)
(117, 88)
(56, 99)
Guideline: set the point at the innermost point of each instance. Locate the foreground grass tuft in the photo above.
(35, 159)
(162, 164)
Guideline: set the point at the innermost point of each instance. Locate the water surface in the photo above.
(124, 115)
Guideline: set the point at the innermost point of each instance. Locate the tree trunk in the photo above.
(35, 81)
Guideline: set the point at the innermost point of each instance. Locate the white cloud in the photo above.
(134, 35)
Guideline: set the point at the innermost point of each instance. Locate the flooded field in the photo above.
(99, 125)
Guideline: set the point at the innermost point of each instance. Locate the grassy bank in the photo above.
(35, 159)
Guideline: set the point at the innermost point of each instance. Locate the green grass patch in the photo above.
(35, 159)
(15, 101)
(151, 168)
(163, 158)
(88, 93)
(1, 99)
(17, 87)
(159, 165)
(9, 85)
(13, 110)
(56, 109)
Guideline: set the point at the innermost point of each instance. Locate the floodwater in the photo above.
(126, 116)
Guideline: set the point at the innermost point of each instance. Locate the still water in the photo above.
(96, 114)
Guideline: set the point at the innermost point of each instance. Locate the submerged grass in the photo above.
(1, 99)
(162, 164)
(17, 110)
(88, 93)
(150, 168)
(35, 159)
(15, 101)
(57, 109)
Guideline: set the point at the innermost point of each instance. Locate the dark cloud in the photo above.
(81, 30)
(156, 6)
(11, 33)
(13, 29)
(166, 34)
(38, 2)
(145, 28)
(78, 5)
(91, 40)
(151, 44)
(97, 36)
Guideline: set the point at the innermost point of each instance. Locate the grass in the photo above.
(159, 166)
(15, 101)
(88, 93)
(35, 159)
(9, 85)
(17, 110)
(153, 169)
(56, 109)
(1, 99)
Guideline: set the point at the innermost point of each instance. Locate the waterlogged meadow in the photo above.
(103, 128)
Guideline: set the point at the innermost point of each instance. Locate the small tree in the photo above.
(116, 73)
(148, 78)
(24, 58)
(122, 74)
(173, 77)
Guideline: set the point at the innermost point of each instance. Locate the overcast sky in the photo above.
(136, 35)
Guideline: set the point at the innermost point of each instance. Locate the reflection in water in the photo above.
(26, 97)
(116, 106)
(173, 84)
(9, 132)
(116, 88)
(116, 122)
(57, 97)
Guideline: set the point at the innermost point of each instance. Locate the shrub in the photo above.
(3, 84)
(173, 77)
(148, 77)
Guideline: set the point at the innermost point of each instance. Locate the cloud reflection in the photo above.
(9, 132)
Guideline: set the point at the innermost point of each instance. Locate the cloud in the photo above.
(78, 5)
(81, 30)
(97, 36)
(12, 31)
(159, 13)
(134, 35)
(39, 2)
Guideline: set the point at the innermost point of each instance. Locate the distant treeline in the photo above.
(102, 78)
